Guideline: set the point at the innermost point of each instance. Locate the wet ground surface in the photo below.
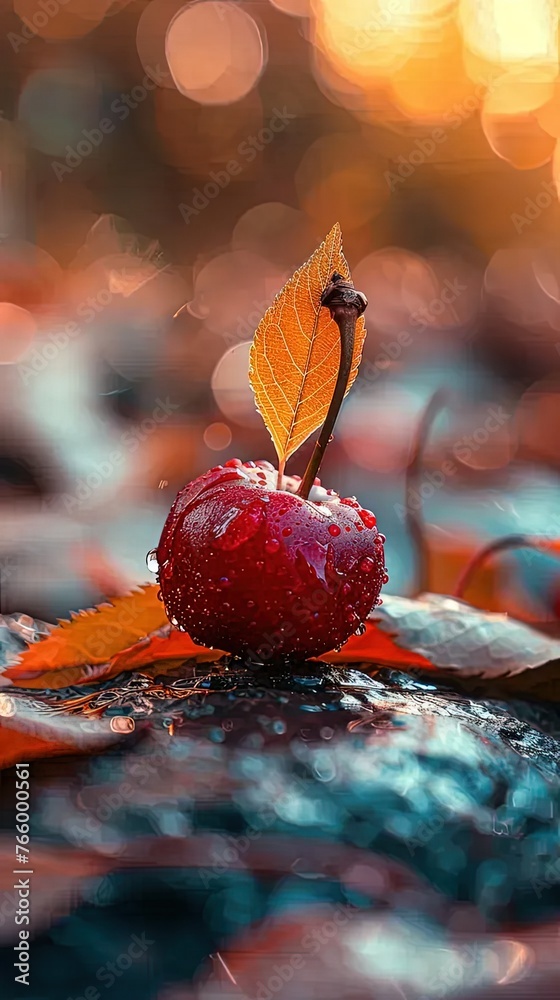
(386, 834)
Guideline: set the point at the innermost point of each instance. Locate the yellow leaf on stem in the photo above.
(295, 354)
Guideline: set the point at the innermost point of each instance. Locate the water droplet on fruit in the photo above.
(347, 528)
(238, 526)
(250, 604)
(259, 564)
(368, 517)
(382, 538)
(385, 578)
(151, 561)
(350, 501)
(233, 463)
(334, 530)
(224, 581)
(367, 564)
(361, 630)
(174, 621)
(271, 546)
(286, 532)
(159, 595)
(346, 589)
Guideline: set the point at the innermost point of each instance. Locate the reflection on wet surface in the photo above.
(399, 836)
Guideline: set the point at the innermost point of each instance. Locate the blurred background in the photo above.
(161, 158)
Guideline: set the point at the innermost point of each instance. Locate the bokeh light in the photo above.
(338, 179)
(151, 34)
(507, 33)
(215, 52)
(231, 388)
(297, 8)
(217, 437)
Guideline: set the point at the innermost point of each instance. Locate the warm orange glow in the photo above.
(337, 179)
(72, 19)
(217, 437)
(231, 388)
(17, 330)
(507, 32)
(213, 135)
(510, 124)
(150, 38)
(297, 8)
(215, 52)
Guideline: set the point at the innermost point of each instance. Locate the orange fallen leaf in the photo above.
(377, 647)
(373, 645)
(16, 746)
(177, 646)
(95, 636)
(295, 354)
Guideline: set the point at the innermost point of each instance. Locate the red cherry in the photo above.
(262, 573)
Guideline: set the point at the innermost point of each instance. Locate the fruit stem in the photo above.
(480, 557)
(413, 518)
(280, 478)
(345, 305)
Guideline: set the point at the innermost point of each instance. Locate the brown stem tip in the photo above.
(345, 305)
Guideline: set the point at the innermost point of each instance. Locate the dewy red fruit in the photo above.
(262, 573)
